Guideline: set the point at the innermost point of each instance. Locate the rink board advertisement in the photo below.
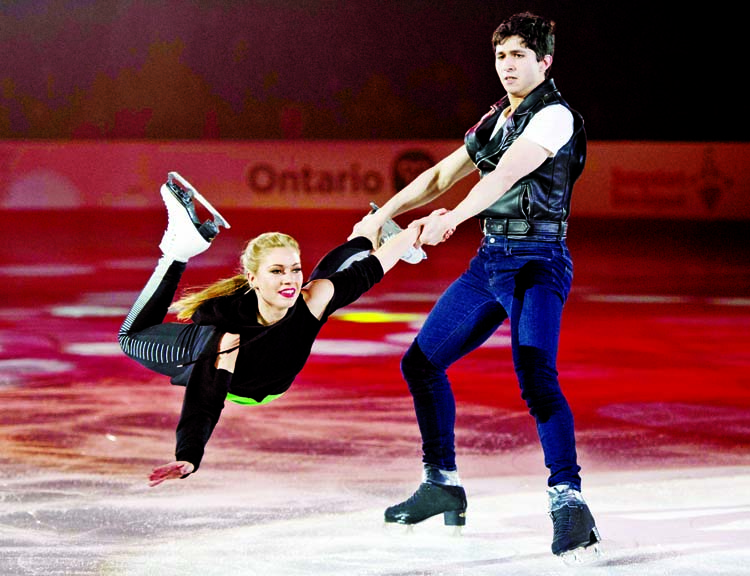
(621, 179)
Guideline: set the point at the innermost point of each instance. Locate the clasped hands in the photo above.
(434, 228)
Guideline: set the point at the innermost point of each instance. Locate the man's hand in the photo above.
(170, 471)
(436, 227)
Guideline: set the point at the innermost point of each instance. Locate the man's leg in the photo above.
(535, 329)
(536, 314)
(462, 319)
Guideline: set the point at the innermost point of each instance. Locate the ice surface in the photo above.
(686, 522)
(659, 390)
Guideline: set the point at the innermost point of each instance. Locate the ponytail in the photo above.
(250, 259)
(192, 299)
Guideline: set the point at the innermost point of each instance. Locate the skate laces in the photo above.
(563, 495)
(564, 502)
(429, 496)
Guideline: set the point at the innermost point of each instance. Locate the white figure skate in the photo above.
(389, 230)
(186, 236)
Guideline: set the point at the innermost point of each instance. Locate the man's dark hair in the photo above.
(538, 33)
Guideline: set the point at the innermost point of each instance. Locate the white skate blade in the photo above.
(396, 528)
(219, 220)
(583, 555)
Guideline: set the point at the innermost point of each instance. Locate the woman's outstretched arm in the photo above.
(323, 296)
(395, 247)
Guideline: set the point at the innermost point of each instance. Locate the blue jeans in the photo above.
(526, 281)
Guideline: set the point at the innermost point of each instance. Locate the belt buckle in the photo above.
(497, 226)
(490, 226)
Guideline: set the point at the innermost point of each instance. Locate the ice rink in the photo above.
(654, 359)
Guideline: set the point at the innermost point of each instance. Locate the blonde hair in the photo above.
(250, 260)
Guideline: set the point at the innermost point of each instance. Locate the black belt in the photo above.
(513, 227)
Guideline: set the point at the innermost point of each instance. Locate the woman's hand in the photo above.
(396, 246)
(170, 471)
(369, 227)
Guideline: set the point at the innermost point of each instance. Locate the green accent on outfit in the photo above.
(249, 401)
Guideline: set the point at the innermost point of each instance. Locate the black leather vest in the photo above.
(545, 193)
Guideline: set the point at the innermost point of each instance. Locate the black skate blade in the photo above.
(175, 180)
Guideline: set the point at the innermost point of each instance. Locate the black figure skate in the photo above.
(576, 539)
(430, 500)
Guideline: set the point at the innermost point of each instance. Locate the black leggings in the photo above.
(169, 348)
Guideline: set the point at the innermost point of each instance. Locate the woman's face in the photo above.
(278, 279)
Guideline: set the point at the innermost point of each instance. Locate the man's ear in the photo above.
(547, 60)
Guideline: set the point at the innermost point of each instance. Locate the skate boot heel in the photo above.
(455, 517)
(209, 230)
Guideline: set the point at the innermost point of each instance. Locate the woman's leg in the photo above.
(360, 247)
(144, 337)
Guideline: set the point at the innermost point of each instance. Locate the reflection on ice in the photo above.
(329, 521)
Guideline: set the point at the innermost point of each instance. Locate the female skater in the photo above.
(251, 334)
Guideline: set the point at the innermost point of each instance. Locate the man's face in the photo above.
(517, 67)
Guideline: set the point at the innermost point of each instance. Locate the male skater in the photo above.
(529, 149)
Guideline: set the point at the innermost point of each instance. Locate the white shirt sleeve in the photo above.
(551, 128)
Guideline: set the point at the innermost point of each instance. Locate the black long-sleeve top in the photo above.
(269, 358)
